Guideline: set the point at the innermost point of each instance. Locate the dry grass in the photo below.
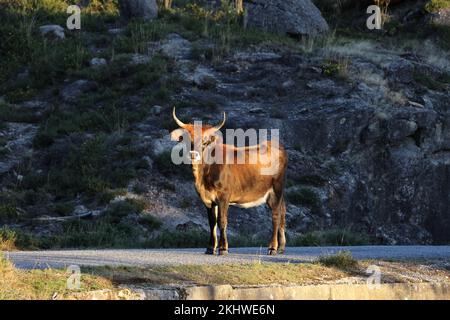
(43, 284)
(378, 53)
(232, 274)
(103, 282)
(340, 268)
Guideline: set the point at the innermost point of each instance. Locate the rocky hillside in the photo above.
(85, 117)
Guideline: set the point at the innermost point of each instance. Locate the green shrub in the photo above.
(120, 209)
(8, 211)
(303, 196)
(436, 5)
(163, 162)
(49, 60)
(95, 234)
(335, 68)
(334, 237)
(341, 260)
(94, 167)
(8, 239)
(63, 209)
(179, 239)
(439, 83)
(12, 113)
(150, 222)
(12, 239)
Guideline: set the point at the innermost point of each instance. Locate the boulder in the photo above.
(441, 17)
(204, 78)
(53, 31)
(176, 47)
(97, 62)
(141, 9)
(293, 17)
(73, 91)
(138, 59)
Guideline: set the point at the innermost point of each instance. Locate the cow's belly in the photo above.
(249, 203)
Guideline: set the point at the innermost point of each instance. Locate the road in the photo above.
(143, 257)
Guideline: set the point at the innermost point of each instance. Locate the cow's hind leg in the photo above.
(212, 217)
(274, 204)
(281, 230)
(223, 221)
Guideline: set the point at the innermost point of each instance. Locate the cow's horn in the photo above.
(218, 127)
(178, 121)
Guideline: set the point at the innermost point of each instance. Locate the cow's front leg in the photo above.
(212, 217)
(223, 220)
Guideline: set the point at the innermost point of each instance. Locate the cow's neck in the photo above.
(197, 170)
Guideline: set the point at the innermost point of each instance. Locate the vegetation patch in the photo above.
(437, 5)
(342, 260)
(335, 68)
(13, 113)
(257, 273)
(303, 196)
(43, 284)
(439, 83)
(334, 237)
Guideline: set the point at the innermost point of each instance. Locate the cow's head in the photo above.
(201, 135)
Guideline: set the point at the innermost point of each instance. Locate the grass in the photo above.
(92, 167)
(164, 164)
(335, 68)
(12, 113)
(113, 230)
(342, 260)
(150, 222)
(8, 239)
(49, 60)
(439, 83)
(43, 284)
(303, 196)
(232, 274)
(436, 5)
(50, 283)
(334, 237)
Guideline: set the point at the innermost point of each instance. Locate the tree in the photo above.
(239, 4)
(167, 4)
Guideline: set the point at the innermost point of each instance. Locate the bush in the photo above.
(436, 5)
(179, 239)
(303, 196)
(341, 260)
(94, 167)
(101, 233)
(49, 60)
(14, 239)
(8, 239)
(121, 209)
(336, 237)
(151, 222)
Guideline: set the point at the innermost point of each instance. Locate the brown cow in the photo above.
(223, 183)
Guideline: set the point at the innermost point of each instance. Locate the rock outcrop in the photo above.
(142, 9)
(293, 17)
(52, 31)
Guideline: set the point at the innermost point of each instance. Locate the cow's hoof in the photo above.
(223, 252)
(281, 251)
(272, 252)
(210, 251)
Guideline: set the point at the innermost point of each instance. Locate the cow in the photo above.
(223, 183)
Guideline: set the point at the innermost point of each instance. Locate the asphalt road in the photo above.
(143, 257)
